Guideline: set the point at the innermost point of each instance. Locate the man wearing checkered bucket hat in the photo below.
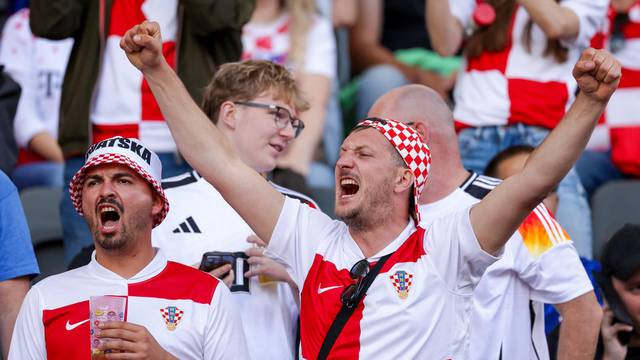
(169, 310)
(375, 285)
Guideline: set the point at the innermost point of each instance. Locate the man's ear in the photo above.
(157, 205)
(423, 131)
(227, 114)
(404, 180)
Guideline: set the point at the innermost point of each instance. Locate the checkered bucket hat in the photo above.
(125, 151)
(413, 150)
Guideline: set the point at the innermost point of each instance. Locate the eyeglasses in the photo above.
(351, 293)
(282, 117)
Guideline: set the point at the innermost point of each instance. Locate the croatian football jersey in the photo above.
(417, 306)
(519, 84)
(123, 103)
(200, 220)
(619, 127)
(539, 265)
(53, 322)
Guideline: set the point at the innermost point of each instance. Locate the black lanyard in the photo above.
(345, 312)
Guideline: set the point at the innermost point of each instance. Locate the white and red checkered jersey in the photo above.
(619, 127)
(38, 65)
(200, 220)
(539, 265)
(416, 308)
(123, 103)
(53, 322)
(273, 42)
(516, 85)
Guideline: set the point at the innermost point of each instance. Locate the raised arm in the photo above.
(555, 20)
(198, 140)
(579, 327)
(500, 213)
(445, 31)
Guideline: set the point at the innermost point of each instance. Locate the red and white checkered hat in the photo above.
(413, 150)
(125, 151)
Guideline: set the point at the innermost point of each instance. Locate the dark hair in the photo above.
(495, 37)
(506, 154)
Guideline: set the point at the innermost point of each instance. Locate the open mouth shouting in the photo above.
(109, 215)
(349, 187)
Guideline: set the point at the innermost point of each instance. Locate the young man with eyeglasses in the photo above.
(416, 306)
(255, 105)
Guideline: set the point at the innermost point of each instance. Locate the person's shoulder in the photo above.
(178, 182)
(478, 186)
(186, 282)
(541, 232)
(19, 21)
(6, 185)
(63, 281)
(296, 195)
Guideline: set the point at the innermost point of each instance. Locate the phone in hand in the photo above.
(238, 261)
(620, 313)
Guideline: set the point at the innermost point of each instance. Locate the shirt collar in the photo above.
(391, 247)
(443, 206)
(153, 268)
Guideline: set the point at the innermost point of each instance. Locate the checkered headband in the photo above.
(125, 151)
(413, 150)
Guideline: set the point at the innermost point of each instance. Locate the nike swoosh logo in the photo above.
(70, 327)
(321, 289)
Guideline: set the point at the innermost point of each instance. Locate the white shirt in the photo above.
(516, 85)
(53, 320)
(38, 65)
(123, 103)
(440, 268)
(539, 265)
(273, 42)
(200, 220)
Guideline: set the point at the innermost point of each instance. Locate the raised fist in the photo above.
(143, 45)
(597, 73)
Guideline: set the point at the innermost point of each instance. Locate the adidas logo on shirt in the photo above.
(188, 226)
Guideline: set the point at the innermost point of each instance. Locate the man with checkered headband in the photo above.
(171, 311)
(374, 285)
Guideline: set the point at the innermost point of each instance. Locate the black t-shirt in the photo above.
(404, 25)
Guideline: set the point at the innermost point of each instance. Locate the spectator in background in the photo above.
(516, 83)
(102, 96)
(615, 145)
(621, 281)
(510, 161)
(38, 65)
(17, 260)
(293, 34)
(390, 47)
(539, 263)
(237, 100)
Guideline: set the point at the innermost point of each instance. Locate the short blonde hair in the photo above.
(244, 81)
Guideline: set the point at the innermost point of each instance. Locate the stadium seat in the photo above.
(613, 205)
(41, 207)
